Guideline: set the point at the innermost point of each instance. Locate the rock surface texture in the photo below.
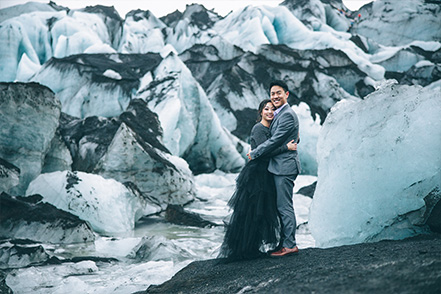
(407, 266)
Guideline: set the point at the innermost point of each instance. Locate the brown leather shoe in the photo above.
(285, 251)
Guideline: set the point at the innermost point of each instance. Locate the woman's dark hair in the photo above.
(279, 83)
(261, 107)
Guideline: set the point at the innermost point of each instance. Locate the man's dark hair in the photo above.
(261, 107)
(279, 83)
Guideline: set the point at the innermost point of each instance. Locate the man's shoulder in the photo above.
(287, 112)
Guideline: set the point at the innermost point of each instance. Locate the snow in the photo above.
(106, 204)
(424, 63)
(112, 74)
(427, 45)
(377, 159)
(100, 48)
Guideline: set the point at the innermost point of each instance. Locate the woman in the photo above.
(254, 225)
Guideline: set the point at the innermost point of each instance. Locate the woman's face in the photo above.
(268, 112)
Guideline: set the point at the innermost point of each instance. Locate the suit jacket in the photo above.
(284, 128)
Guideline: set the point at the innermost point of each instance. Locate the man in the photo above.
(285, 166)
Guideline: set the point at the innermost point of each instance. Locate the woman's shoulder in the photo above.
(258, 127)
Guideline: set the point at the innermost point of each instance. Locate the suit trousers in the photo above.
(284, 188)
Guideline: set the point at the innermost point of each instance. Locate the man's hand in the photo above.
(291, 145)
(249, 155)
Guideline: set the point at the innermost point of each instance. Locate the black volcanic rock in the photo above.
(131, 67)
(172, 19)
(29, 218)
(406, 266)
(308, 190)
(108, 11)
(432, 213)
(196, 14)
(422, 75)
(176, 214)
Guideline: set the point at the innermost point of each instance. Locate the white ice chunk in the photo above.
(26, 68)
(377, 159)
(106, 204)
(112, 74)
(309, 133)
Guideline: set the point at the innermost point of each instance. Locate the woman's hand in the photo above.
(291, 145)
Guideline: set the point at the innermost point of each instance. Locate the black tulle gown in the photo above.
(254, 225)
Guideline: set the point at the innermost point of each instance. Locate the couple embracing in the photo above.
(263, 220)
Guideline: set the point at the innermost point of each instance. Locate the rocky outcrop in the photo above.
(176, 214)
(308, 190)
(411, 266)
(29, 116)
(30, 218)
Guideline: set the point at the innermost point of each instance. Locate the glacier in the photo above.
(188, 119)
(29, 115)
(379, 173)
(150, 111)
(381, 21)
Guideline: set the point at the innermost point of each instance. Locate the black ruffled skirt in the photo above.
(254, 226)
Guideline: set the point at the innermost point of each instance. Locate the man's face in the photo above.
(278, 96)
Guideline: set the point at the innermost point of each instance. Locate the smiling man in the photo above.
(286, 166)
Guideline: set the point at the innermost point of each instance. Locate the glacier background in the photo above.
(106, 121)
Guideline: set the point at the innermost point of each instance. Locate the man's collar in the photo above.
(276, 112)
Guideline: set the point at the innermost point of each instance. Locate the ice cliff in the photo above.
(379, 174)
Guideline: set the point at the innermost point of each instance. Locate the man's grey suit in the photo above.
(285, 167)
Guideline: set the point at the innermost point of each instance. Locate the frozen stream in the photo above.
(166, 248)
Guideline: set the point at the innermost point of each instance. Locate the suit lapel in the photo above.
(274, 122)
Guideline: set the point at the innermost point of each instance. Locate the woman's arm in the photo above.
(291, 146)
(286, 124)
